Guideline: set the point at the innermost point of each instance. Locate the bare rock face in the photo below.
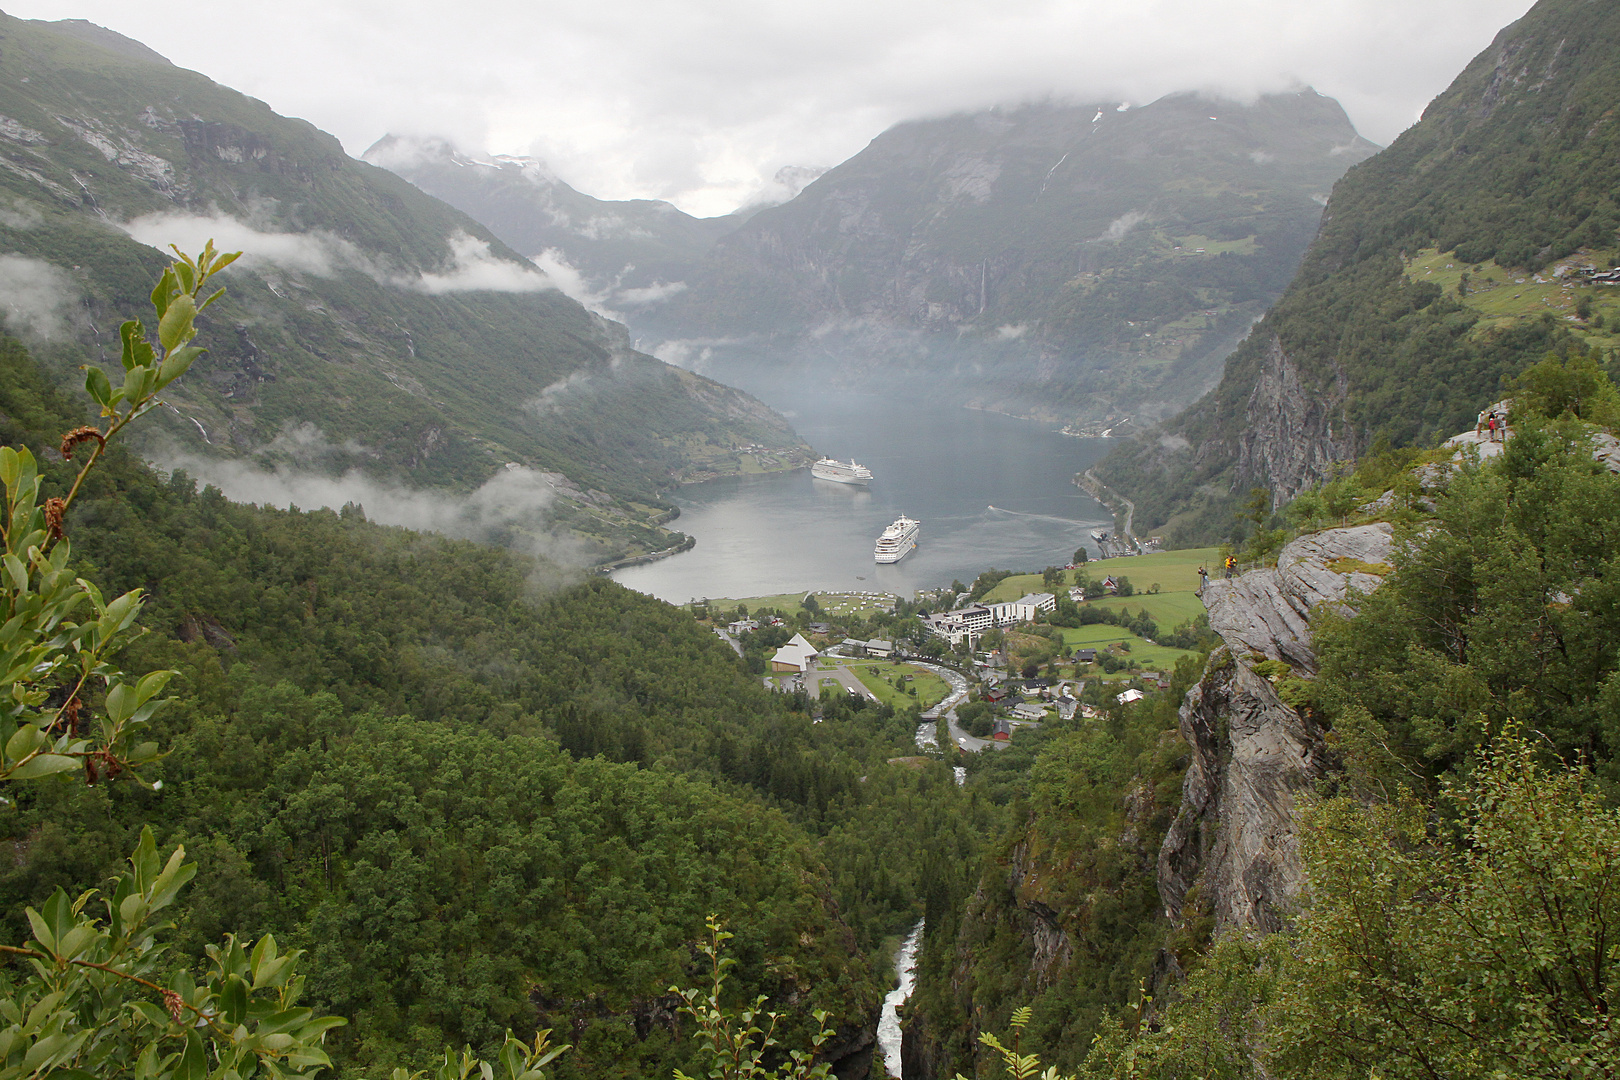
(1268, 611)
(1252, 754)
(1234, 836)
(1294, 431)
(1606, 451)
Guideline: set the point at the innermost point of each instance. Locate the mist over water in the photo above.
(989, 491)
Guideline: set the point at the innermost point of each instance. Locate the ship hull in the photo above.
(894, 556)
(840, 473)
(857, 481)
(897, 541)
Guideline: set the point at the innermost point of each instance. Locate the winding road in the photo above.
(1125, 532)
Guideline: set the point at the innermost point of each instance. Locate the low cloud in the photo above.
(655, 293)
(509, 509)
(1174, 443)
(693, 354)
(1121, 225)
(784, 186)
(317, 252)
(700, 104)
(571, 282)
(37, 299)
(472, 266)
(1011, 331)
(474, 269)
(306, 443)
(551, 397)
(19, 215)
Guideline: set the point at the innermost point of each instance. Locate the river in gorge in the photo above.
(989, 490)
(888, 1033)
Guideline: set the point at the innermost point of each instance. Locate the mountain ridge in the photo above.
(1445, 265)
(1059, 260)
(421, 348)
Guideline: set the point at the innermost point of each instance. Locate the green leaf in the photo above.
(59, 913)
(165, 288)
(120, 703)
(137, 350)
(233, 1001)
(194, 1062)
(175, 326)
(263, 953)
(176, 363)
(174, 877)
(17, 570)
(138, 384)
(144, 862)
(24, 741)
(186, 276)
(97, 386)
(44, 765)
(42, 930)
(152, 683)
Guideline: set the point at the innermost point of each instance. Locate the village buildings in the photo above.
(969, 623)
(797, 655)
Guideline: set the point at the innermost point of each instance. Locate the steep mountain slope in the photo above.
(1062, 261)
(413, 343)
(1445, 264)
(479, 800)
(627, 254)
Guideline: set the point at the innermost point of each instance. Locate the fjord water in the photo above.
(989, 490)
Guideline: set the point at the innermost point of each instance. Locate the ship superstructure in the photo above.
(841, 472)
(898, 540)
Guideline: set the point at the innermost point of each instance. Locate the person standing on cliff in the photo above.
(1231, 565)
(1203, 578)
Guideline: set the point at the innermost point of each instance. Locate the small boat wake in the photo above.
(1066, 522)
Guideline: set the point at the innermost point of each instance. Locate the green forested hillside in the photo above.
(1510, 178)
(413, 343)
(1461, 853)
(1077, 859)
(479, 795)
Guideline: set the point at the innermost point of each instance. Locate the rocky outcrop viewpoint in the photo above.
(1232, 854)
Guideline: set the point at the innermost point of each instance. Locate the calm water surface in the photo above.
(989, 491)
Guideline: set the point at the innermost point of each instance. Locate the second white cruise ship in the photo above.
(841, 472)
(897, 540)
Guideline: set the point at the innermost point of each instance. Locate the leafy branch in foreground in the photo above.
(736, 1044)
(1018, 1065)
(80, 1010)
(50, 656)
(91, 996)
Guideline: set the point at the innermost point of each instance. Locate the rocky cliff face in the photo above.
(1112, 883)
(1508, 172)
(1232, 853)
(1294, 430)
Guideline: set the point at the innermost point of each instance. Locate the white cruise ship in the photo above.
(897, 540)
(841, 472)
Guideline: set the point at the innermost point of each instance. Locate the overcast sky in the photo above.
(700, 103)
